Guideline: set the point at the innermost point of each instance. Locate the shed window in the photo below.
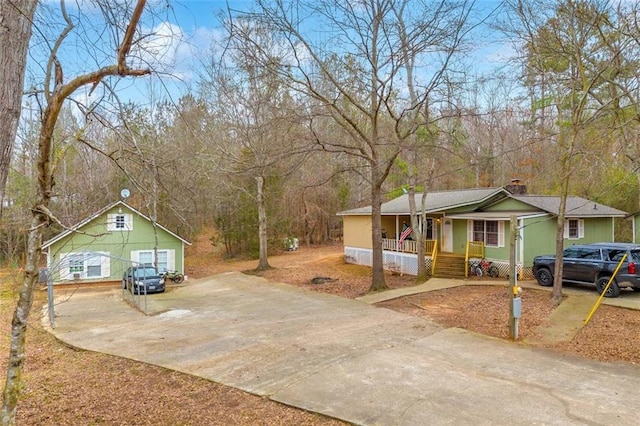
(76, 263)
(120, 222)
(84, 265)
(94, 267)
(145, 257)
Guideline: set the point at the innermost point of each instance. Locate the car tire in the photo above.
(613, 291)
(544, 277)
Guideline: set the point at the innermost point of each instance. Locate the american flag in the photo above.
(405, 233)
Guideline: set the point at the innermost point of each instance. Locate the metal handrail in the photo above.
(434, 255)
(474, 249)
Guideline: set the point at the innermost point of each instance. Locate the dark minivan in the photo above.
(594, 264)
(143, 279)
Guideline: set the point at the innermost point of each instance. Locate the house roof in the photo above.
(436, 201)
(442, 201)
(630, 215)
(576, 206)
(99, 213)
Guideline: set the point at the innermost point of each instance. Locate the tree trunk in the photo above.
(19, 322)
(418, 235)
(34, 251)
(15, 32)
(556, 294)
(263, 264)
(378, 282)
(41, 214)
(422, 266)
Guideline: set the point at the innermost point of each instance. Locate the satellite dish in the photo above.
(125, 193)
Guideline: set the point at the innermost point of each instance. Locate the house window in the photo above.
(574, 229)
(429, 233)
(478, 230)
(491, 234)
(488, 231)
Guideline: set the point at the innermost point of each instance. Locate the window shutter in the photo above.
(128, 221)
(566, 229)
(64, 266)
(469, 230)
(111, 222)
(135, 255)
(105, 268)
(171, 260)
(581, 228)
(501, 233)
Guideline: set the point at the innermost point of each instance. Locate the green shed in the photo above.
(103, 246)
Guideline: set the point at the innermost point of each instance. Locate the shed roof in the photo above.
(79, 225)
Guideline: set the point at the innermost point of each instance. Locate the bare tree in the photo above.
(16, 17)
(567, 53)
(264, 138)
(41, 216)
(352, 69)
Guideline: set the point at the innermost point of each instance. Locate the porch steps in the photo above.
(449, 266)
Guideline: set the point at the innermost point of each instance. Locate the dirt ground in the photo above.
(63, 385)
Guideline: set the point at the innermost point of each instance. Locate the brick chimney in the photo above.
(516, 187)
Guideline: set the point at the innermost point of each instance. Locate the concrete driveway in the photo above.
(345, 358)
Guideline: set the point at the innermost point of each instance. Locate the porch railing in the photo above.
(407, 246)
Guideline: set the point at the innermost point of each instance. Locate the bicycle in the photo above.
(475, 268)
(483, 266)
(174, 276)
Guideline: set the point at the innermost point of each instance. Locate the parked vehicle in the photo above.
(143, 279)
(174, 276)
(594, 264)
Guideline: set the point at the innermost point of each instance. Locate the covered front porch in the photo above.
(402, 257)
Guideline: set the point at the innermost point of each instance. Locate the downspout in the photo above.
(183, 265)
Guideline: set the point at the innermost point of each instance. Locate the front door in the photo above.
(447, 235)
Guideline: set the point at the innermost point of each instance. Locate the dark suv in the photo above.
(594, 264)
(143, 279)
